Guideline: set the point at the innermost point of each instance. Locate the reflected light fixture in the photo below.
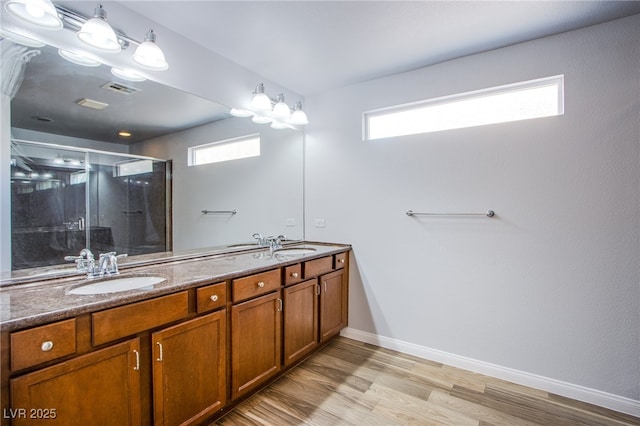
(97, 32)
(149, 55)
(265, 110)
(21, 39)
(38, 12)
(126, 74)
(78, 58)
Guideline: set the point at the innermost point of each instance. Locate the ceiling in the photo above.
(313, 46)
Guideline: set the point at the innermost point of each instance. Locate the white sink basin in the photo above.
(295, 251)
(117, 285)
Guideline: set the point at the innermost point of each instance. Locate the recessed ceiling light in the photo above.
(124, 134)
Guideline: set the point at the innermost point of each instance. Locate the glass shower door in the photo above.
(128, 204)
(48, 204)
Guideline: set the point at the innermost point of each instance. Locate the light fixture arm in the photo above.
(74, 21)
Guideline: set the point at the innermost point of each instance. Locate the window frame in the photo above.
(192, 150)
(474, 94)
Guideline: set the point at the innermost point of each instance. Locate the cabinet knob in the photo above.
(341, 260)
(46, 346)
(214, 298)
(261, 284)
(294, 274)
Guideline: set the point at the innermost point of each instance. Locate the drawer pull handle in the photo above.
(214, 298)
(46, 346)
(318, 290)
(325, 286)
(294, 274)
(160, 351)
(137, 367)
(261, 284)
(280, 306)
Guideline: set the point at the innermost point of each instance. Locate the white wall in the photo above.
(551, 286)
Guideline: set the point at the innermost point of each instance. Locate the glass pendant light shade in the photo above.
(149, 55)
(281, 110)
(97, 33)
(38, 12)
(260, 100)
(298, 117)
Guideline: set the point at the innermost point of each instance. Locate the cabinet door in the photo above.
(300, 320)
(333, 304)
(189, 370)
(255, 342)
(100, 388)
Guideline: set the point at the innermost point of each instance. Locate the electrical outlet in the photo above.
(320, 223)
(291, 221)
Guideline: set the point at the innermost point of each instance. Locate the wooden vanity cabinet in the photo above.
(300, 320)
(177, 359)
(189, 370)
(255, 342)
(102, 387)
(334, 299)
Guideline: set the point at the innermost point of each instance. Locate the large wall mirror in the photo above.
(265, 192)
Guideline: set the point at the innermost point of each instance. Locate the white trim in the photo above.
(577, 392)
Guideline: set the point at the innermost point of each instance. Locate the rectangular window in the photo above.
(132, 167)
(230, 149)
(520, 101)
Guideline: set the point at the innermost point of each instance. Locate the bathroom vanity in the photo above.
(214, 330)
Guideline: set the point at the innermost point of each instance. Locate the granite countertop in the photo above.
(36, 303)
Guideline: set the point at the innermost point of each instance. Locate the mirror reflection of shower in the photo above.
(66, 199)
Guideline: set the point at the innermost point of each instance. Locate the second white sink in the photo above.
(117, 285)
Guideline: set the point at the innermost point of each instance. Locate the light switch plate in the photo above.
(320, 223)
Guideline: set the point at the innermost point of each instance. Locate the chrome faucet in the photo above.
(109, 263)
(275, 243)
(272, 242)
(85, 262)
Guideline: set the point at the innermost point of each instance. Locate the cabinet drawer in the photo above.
(341, 260)
(41, 344)
(313, 268)
(255, 285)
(130, 319)
(293, 274)
(211, 297)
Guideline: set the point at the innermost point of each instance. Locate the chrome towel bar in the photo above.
(489, 213)
(205, 211)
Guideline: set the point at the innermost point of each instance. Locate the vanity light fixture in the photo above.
(280, 109)
(149, 55)
(260, 99)
(38, 12)
(97, 32)
(264, 110)
(299, 117)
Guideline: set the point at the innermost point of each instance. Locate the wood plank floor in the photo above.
(354, 383)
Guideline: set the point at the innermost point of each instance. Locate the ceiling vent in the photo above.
(90, 103)
(119, 88)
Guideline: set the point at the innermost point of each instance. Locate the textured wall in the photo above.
(551, 286)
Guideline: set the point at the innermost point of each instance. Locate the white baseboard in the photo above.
(580, 393)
